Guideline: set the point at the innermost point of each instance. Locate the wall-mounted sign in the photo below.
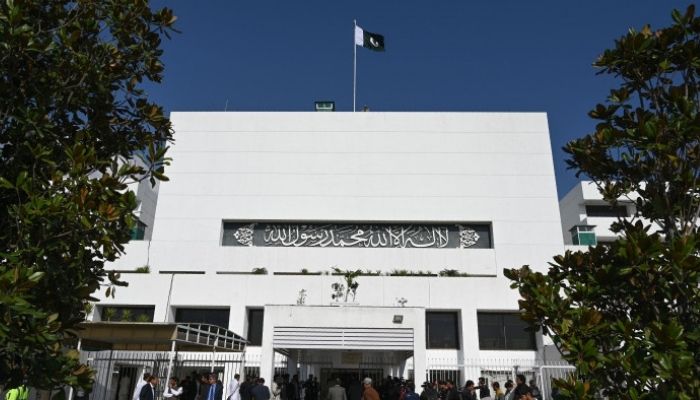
(286, 234)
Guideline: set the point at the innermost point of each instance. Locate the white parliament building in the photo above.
(233, 264)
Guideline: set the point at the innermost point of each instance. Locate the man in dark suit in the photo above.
(214, 389)
(148, 391)
(260, 391)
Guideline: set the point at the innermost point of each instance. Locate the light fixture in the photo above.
(398, 319)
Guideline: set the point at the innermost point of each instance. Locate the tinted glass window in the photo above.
(127, 313)
(606, 211)
(139, 231)
(442, 330)
(504, 331)
(255, 326)
(212, 316)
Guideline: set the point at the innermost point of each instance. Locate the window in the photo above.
(583, 235)
(139, 231)
(442, 329)
(606, 211)
(127, 313)
(504, 331)
(255, 326)
(212, 316)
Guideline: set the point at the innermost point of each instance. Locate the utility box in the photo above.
(324, 105)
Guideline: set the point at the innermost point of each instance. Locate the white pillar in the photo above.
(170, 363)
(267, 353)
(419, 352)
(470, 345)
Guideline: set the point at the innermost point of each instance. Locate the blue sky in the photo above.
(441, 55)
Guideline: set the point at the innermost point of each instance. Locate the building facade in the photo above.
(586, 218)
(263, 210)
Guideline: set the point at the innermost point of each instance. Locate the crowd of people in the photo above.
(448, 390)
(209, 387)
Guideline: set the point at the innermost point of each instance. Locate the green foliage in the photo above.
(109, 313)
(452, 273)
(126, 315)
(646, 141)
(73, 115)
(143, 270)
(406, 272)
(350, 286)
(142, 318)
(627, 314)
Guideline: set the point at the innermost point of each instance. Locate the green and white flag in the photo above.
(372, 41)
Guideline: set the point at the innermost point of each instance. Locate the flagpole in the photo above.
(354, 66)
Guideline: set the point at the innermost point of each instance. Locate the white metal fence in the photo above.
(117, 372)
(498, 370)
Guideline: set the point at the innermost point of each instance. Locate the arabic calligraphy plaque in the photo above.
(286, 234)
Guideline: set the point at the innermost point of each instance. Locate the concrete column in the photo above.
(267, 356)
(469, 352)
(419, 352)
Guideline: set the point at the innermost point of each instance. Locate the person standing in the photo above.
(536, 392)
(189, 388)
(294, 389)
(411, 392)
(336, 392)
(276, 387)
(260, 391)
(521, 388)
(311, 388)
(19, 393)
(214, 390)
(246, 386)
(469, 391)
(203, 387)
(355, 390)
(148, 391)
(173, 391)
(497, 392)
(509, 390)
(369, 393)
(429, 392)
(484, 391)
(233, 392)
(140, 385)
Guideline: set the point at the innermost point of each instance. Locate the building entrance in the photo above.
(350, 379)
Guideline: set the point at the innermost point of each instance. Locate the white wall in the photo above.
(432, 167)
(417, 167)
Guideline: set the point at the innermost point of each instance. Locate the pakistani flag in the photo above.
(369, 40)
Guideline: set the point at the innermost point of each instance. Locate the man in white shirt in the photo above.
(173, 391)
(139, 385)
(233, 392)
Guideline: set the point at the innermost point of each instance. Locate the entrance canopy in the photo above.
(160, 336)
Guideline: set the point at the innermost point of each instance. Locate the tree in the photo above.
(627, 314)
(349, 287)
(74, 118)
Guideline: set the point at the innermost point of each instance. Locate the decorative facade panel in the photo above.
(362, 235)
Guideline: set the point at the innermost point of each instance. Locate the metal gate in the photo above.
(118, 372)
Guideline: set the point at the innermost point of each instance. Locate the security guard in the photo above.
(18, 393)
